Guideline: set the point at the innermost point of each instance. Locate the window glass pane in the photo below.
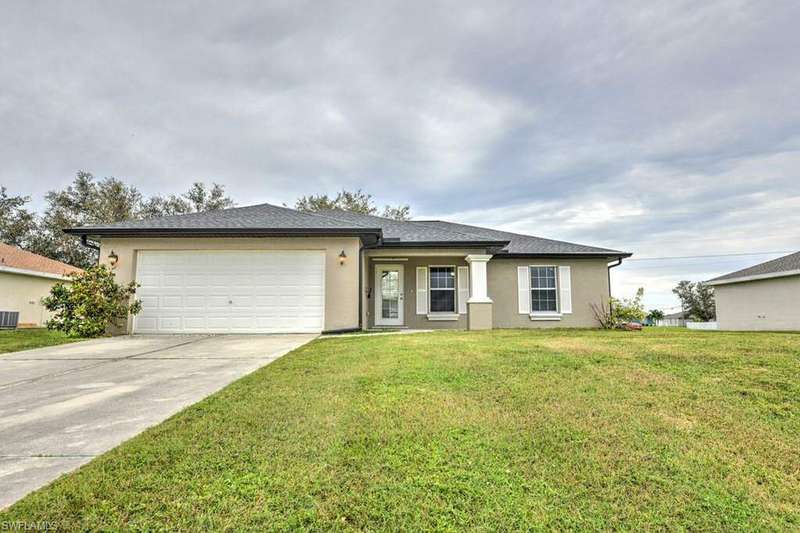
(390, 308)
(543, 277)
(390, 294)
(443, 301)
(390, 282)
(543, 300)
(442, 277)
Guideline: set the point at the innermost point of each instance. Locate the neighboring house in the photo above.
(762, 297)
(26, 278)
(268, 269)
(673, 320)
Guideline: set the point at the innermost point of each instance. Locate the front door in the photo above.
(389, 295)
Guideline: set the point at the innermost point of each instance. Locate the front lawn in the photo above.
(24, 339)
(499, 430)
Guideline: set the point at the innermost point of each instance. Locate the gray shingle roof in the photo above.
(410, 232)
(271, 218)
(254, 217)
(528, 244)
(787, 263)
(439, 230)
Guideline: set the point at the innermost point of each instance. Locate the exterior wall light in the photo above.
(342, 257)
(113, 258)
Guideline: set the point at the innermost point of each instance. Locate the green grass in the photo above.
(499, 430)
(375, 331)
(25, 339)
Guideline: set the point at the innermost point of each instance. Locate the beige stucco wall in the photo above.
(22, 293)
(341, 281)
(589, 285)
(770, 304)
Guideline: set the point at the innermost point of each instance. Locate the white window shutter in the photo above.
(565, 284)
(524, 290)
(463, 289)
(422, 290)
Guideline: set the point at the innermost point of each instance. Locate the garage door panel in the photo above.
(169, 322)
(194, 302)
(146, 323)
(218, 280)
(242, 291)
(312, 300)
(198, 280)
(149, 301)
(148, 281)
(172, 281)
(172, 302)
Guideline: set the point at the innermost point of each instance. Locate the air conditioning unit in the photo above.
(9, 319)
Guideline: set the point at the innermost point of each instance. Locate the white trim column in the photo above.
(478, 279)
(479, 313)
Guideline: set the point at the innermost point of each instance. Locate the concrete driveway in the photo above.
(63, 405)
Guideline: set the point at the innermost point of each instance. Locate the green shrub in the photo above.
(619, 312)
(91, 304)
(629, 309)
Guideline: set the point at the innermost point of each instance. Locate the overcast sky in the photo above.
(663, 128)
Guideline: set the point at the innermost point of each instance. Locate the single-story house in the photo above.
(761, 297)
(271, 269)
(26, 278)
(673, 320)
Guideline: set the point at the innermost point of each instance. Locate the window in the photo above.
(544, 297)
(443, 289)
(390, 294)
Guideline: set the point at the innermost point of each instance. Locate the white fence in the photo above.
(701, 325)
(671, 322)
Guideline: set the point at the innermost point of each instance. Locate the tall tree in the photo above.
(400, 212)
(83, 202)
(697, 300)
(89, 201)
(354, 201)
(17, 224)
(197, 199)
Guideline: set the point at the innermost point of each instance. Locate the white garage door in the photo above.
(230, 292)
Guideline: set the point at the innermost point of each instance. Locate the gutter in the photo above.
(223, 232)
(755, 277)
(85, 242)
(439, 244)
(562, 255)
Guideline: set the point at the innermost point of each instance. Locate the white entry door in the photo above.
(247, 291)
(389, 295)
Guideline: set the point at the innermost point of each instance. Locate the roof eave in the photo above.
(609, 254)
(33, 273)
(440, 244)
(224, 232)
(755, 277)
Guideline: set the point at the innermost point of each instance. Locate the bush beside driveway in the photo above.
(664, 429)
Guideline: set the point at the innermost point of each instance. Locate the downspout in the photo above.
(608, 270)
(85, 242)
(361, 280)
(361, 286)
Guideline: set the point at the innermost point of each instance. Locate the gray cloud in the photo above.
(666, 129)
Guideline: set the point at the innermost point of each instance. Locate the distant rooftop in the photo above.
(13, 257)
(787, 265)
